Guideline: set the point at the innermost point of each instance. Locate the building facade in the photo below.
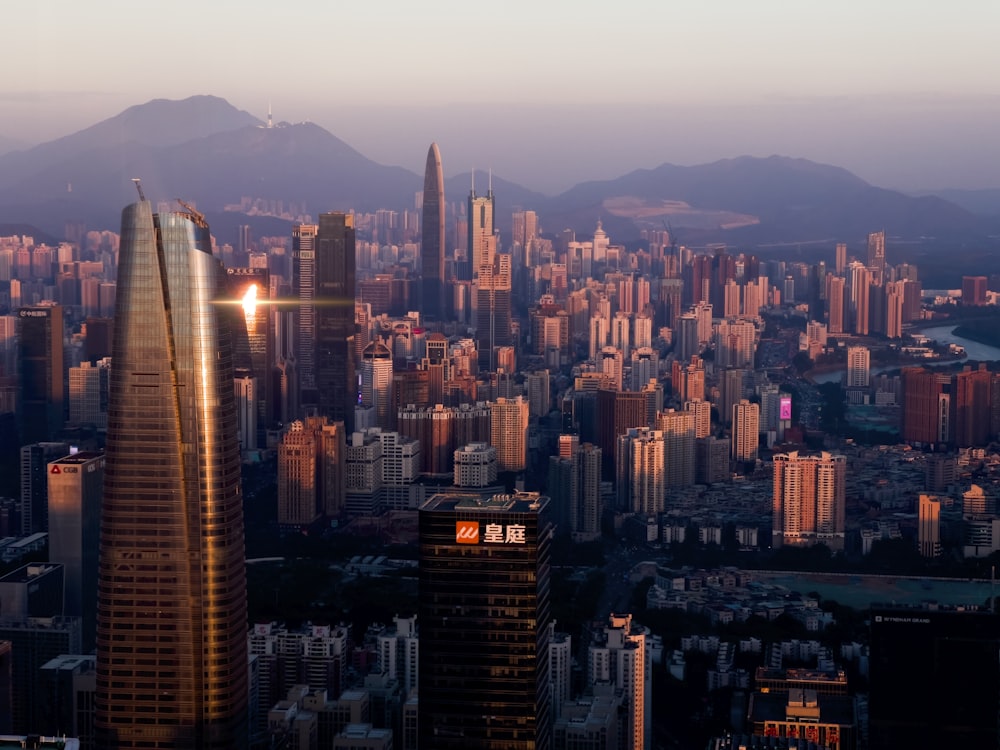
(171, 606)
(484, 622)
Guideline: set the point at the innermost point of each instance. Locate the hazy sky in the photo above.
(904, 93)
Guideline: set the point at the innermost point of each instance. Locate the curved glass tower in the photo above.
(432, 238)
(171, 620)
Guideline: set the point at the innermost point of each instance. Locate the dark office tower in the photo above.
(934, 678)
(171, 608)
(40, 353)
(484, 622)
(876, 257)
(34, 509)
(432, 238)
(304, 286)
(248, 290)
(336, 386)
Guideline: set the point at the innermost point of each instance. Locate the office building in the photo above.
(934, 678)
(89, 386)
(337, 391)
(76, 484)
(171, 607)
(484, 622)
(432, 249)
(926, 413)
(480, 239)
(376, 383)
(34, 507)
(876, 257)
(304, 330)
(249, 290)
(809, 502)
(41, 375)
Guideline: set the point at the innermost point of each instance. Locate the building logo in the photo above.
(467, 532)
(55, 470)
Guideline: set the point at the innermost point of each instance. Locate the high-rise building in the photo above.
(484, 622)
(840, 259)
(89, 386)
(809, 500)
(934, 678)
(876, 257)
(926, 414)
(171, 606)
(253, 344)
(376, 383)
(304, 330)
(640, 462)
(33, 508)
(509, 419)
(432, 238)
(835, 304)
(481, 239)
(678, 435)
(929, 526)
(746, 428)
(76, 484)
(620, 657)
(336, 388)
(40, 354)
(974, 290)
(858, 368)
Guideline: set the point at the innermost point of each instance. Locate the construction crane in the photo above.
(138, 186)
(198, 216)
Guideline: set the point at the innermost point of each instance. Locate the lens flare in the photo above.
(250, 301)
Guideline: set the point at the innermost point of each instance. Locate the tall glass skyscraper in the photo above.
(432, 238)
(171, 619)
(484, 622)
(336, 382)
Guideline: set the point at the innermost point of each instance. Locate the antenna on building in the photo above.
(473, 173)
(138, 186)
(489, 191)
(270, 120)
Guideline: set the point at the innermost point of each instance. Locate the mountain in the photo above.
(200, 149)
(207, 152)
(983, 202)
(752, 200)
(10, 144)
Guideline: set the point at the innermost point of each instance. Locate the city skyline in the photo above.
(902, 98)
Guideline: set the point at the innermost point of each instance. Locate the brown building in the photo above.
(974, 290)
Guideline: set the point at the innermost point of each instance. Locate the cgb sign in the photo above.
(468, 532)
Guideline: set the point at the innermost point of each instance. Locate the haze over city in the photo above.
(903, 95)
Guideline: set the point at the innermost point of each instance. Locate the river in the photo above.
(943, 335)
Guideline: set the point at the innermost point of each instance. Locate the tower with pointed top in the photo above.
(432, 238)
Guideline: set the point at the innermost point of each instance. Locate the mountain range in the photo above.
(211, 154)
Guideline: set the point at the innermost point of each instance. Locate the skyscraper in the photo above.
(171, 608)
(432, 238)
(509, 432)
(40, 353)
(75, 486)
(484, 622)
(876, 257)
(746, 426)
(304, 284)
(480, 228)
(335, 380)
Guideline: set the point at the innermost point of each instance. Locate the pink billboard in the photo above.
(785, 410)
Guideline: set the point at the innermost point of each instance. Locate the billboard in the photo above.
(785, 409)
